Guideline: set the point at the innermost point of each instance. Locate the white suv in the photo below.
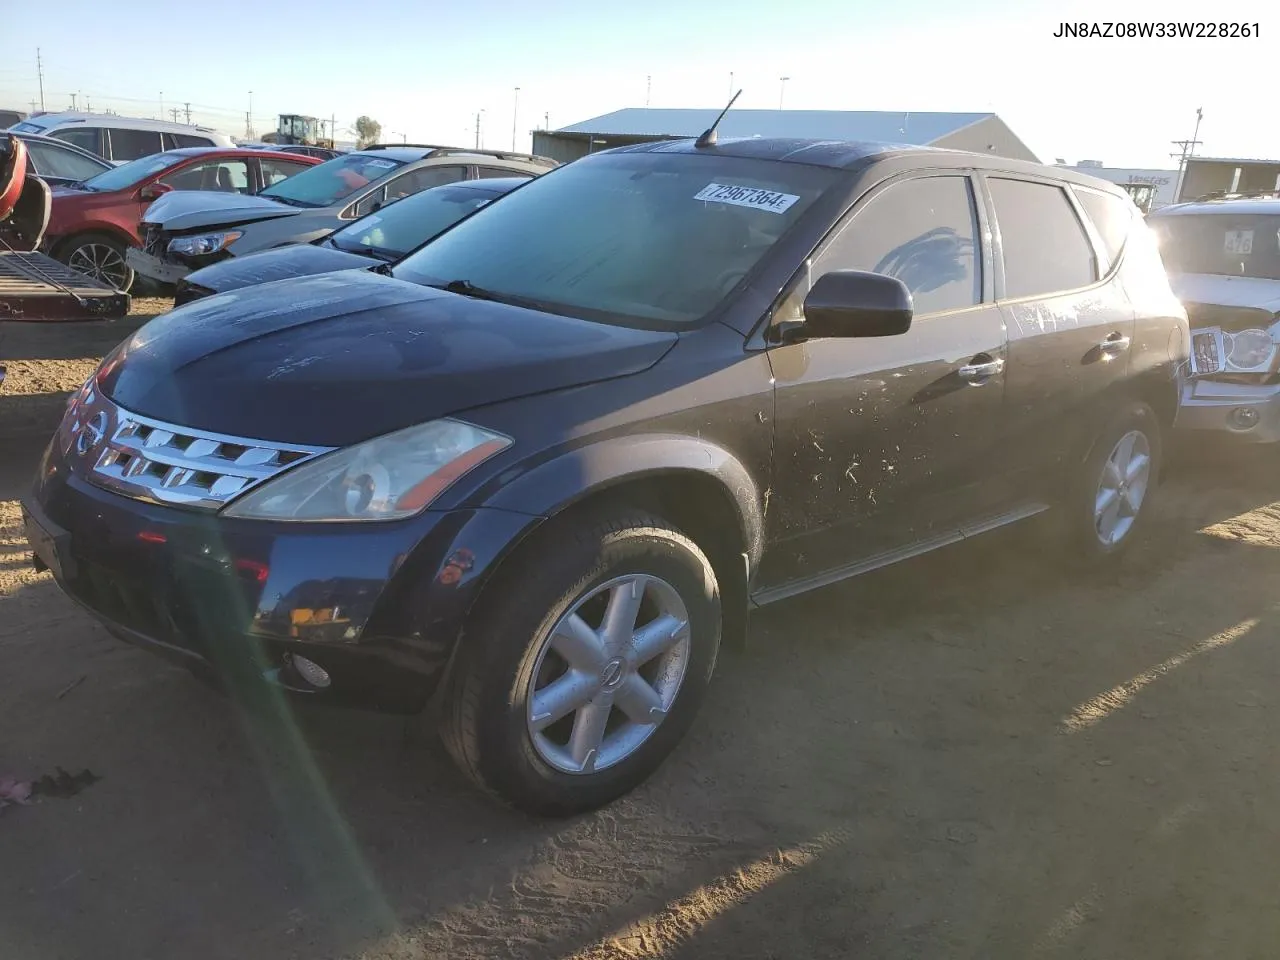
(120, 139)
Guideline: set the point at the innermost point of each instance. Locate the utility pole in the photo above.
(478, 113)
(546, 120)
(1187, 149)
(782, 89)
(731, 83)
(73, 103)
(188, 110)
(648, 88)
(173, 112)
(40, 76)
(87, 108)
(161, 104)
(333, 129)
(515, 115)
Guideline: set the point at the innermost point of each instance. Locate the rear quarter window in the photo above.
(1045, 247)
(1113, 217)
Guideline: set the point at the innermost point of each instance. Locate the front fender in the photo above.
(556, 484)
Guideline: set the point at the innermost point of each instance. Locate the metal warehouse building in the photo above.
(977, 132)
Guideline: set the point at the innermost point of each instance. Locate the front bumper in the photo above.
(1248, 411)
(378, 606)
(153, 268)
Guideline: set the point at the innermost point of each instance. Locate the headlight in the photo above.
(205, 243)
(1249, 351)
(387, 478)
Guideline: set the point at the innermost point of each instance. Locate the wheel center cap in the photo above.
(613, 672)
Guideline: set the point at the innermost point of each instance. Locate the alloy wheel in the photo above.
(1122, 489)
(101, 262)
(608, 673)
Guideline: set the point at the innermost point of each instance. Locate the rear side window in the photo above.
(173, 141)
(87, 138)
(51, 161)
(1045, 247)
(1112, 217)
(273, 171)
(132, 144)
(492, 173)
(922, 232)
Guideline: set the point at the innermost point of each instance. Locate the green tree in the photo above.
(368, 130)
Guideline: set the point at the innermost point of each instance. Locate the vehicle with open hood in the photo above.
(540, 467)
(182, 234)
(1223, 258)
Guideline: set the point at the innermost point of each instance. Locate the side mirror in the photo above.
(153, 191)
(851, 303)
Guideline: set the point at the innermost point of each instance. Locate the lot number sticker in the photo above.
(757, 198)
(1238, 242)
(379, 164)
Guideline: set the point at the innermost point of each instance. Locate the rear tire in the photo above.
(99, 256)
(1109, 503)
(525, 659)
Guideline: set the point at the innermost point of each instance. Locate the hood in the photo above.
(298, 260)
(340, 357)
(190, 209)
(1225, 291)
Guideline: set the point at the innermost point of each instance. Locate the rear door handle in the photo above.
(976, 374)
(1114, 345)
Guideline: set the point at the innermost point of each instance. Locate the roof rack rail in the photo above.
(441, 151)
(391, 146)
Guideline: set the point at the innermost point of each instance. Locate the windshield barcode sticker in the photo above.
(379, 164)
(757, 198)
(1239, 242)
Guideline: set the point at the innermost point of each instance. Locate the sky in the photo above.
(426, 71)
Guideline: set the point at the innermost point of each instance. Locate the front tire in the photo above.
(98, 256)
(1110, 501)
(586, 664)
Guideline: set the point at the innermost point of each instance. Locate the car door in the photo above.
(127, 144)
(407, 184)
(881, 443)
(1070, 327)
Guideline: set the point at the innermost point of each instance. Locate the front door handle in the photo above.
(979, 370)
(1114, 345)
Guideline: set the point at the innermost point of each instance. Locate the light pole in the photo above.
(782, 89)
(648, 88)
(403, 137)
(515, 117)
(479, 113)
(731, 83)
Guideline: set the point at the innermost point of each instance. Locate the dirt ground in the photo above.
(970, 755)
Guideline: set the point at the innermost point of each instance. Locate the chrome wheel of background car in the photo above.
(1122, 488)
(607, 674)
(102, 262)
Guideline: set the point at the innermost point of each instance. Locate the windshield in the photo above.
(127, 174)
(1233, 245)
(399, 227)
(644, 237)
(331, 181)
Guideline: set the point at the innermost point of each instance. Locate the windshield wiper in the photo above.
(468, 289)
(287, 201)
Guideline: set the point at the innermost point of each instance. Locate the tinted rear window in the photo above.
(132, 144)
(1046, 250)
(1227, 244)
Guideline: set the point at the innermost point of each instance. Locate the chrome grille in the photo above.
(165, 463)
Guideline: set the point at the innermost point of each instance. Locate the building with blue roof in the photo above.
(976, 132)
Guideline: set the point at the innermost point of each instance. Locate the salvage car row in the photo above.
(536, 469)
